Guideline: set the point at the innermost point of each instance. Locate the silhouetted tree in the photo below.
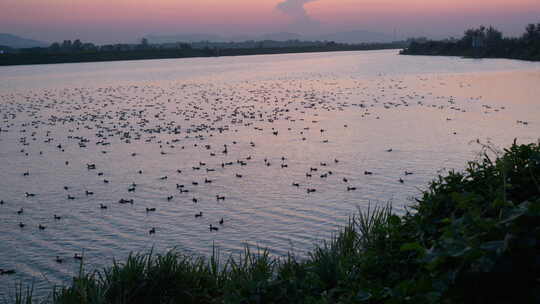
(55, 47)
(493, 37)
(77, 45)
(66, 44)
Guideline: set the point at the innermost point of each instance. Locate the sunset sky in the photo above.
(105, 21)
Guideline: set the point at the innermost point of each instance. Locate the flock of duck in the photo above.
(196, 118)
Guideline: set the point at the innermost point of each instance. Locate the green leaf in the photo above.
(413, 247)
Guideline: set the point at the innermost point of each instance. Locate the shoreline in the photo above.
(42, 59)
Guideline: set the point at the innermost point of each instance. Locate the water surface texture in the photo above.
(158, 142)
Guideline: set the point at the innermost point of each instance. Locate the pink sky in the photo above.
(104, 21)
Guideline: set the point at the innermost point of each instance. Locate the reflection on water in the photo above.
(240, 139)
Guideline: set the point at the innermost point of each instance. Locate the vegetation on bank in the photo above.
(483, 43)
(77, 51)
(472, 237)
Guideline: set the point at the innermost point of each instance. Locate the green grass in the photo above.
(472, 237)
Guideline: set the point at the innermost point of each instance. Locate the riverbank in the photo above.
(45, 57)
(441, 48)
(470, 238)
(482, 42)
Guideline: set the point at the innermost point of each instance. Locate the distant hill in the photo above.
(341, 37)
(355, 37)
(19, 42)
(193, 37)
(283, 36)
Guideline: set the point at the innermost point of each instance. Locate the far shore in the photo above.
(46, 58)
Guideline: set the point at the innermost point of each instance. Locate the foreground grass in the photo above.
(473, 237)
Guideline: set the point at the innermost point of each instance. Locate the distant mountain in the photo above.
(19, 42)
(183, 38)
(283, 36)
(355, 37)
(342, 37)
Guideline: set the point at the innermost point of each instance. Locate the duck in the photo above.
(212, 228)
(76, 256)
(150, 209)
(89, 192)
(199, 214)
(222, 198)
(21, 224)
(296, 184)
(125, 201)
(309, 190)
(368, 173)
(221, 221)
(101, 206)
(27, 194)
(169, 198)
(56, 217)
(152, 231)
(194, 200)
(70, 197)
(59, 260)
(351, 188)
(408, 173)
(238, 175)
(401, 180)
(20, 211)
(41, 227)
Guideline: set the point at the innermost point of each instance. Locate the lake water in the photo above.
(245, 128)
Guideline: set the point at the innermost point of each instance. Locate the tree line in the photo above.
(483, 42)
(77, 51)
